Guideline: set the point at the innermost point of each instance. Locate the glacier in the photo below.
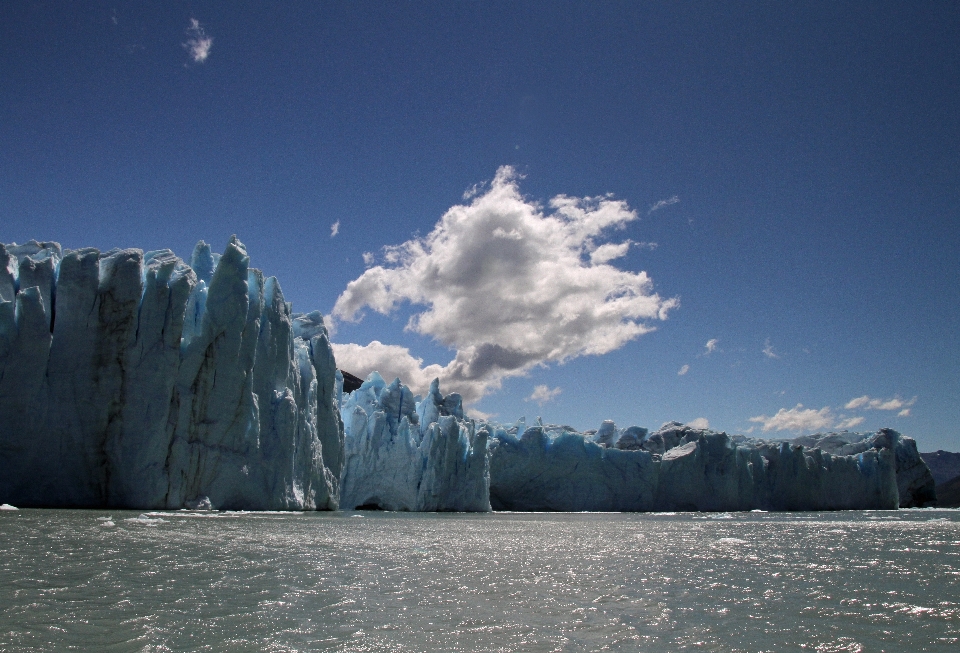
(407, 453)
(679, 468)
(916, 485)
(398, 446)
(135, 380)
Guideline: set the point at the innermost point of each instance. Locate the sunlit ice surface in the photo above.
(378, 581)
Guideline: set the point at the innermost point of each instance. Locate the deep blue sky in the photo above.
(814, 149)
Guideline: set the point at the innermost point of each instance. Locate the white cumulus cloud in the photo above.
(198, 43)
(390, 360)
(543, 394)
(609, 252)
(683, 370)
(335, 229)
(509, 284)
(699, 423)
(799, 418)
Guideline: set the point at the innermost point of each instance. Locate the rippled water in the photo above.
(861, 581)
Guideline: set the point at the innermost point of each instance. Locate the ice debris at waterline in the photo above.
(131, 379)
(545, 467)
(407, 453)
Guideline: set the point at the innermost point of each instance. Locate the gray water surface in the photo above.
(181, 581)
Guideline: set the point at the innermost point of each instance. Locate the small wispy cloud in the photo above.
(699, 423)
(663, 203)
(797, 418)
(849, 423)
(867, 402)
(859, 402)
(904, 413)
(712, 345)
(478, 415)
(198, 44)
(334, 229)
(543, 394)
(368, 258)
(683, 370)
(768, 350)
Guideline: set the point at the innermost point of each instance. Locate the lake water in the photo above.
(179, 581)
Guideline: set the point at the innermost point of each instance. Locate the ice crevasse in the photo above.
(132, 379)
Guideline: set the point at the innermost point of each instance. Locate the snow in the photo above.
(134, 380)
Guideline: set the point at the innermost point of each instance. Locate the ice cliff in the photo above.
(407, 453)
(403, 453)
(682, 468)
(131, 379)
(916, 485)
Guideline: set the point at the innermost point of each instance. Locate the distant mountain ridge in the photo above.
(948, 494)
(944, 465)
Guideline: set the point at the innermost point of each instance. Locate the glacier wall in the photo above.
(404, 453)
(915, 482)
(130, 379)
(407, 453)
(681, 468)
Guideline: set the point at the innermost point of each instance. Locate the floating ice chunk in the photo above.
(146, 520)
(202, 503)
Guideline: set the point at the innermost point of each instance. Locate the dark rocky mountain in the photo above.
(948, 494)
(944, 465)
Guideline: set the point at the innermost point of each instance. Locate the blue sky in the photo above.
(761, 223)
